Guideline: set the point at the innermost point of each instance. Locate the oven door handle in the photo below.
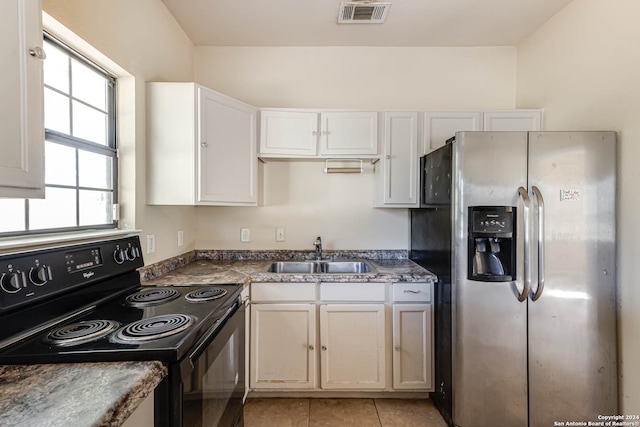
(204, 342)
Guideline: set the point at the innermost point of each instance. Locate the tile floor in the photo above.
(280, 412)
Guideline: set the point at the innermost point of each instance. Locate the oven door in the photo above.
(207, 387)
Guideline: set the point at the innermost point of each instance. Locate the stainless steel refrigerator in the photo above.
(520, 228)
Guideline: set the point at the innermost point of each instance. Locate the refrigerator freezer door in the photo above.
(572, 333)
(490, 329)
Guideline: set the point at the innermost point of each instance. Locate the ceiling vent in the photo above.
(363, 12)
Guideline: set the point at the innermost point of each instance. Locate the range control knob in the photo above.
(11, 282)
(132, 253)
(40, 275)
(119, 256)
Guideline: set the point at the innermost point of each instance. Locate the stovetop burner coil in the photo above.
(81, 332)
(149, 297)
(205, 294)
(154, 328)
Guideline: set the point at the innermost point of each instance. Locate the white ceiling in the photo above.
(314, 22)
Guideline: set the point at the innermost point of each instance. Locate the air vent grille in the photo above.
(363, 12)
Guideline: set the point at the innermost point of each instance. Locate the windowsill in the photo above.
(11, 244)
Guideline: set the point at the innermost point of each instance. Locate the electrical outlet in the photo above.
(245, 235)
(151, 243)
(180, 238)
(279, 234)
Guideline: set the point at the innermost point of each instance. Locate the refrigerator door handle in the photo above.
(524, 195)
(540, 202)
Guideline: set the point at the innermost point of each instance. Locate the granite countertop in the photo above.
(210, 271)
(75, 394)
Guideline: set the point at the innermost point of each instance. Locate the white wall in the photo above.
(145, 41)
(583, 67)
(298, 195)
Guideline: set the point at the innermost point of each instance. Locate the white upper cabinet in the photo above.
(299, 134)
(515, 120)
(397, 172)
(442, 125)
(201, 147)
(349, 133)
(21, 91)
(228, 161)
(288, 133)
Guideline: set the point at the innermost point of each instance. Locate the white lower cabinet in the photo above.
(352, 343)
(346, 351)
(341, 337)
(412, 336)
(412, 340)
(283, 346)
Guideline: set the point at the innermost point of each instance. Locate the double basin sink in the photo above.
(321, 267)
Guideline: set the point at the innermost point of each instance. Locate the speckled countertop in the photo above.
(210, 267)
(75, 394)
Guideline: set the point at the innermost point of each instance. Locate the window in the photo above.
(80, 150)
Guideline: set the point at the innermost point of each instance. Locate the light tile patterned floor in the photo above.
(277, 412)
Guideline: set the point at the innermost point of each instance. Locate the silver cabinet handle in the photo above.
(311, 347)
(324, 348)
(540, 201)
(397, 348)
(524, 195)
(38, 52)
(204, 145)
(388, 157)
(314, 133)
(411, 291)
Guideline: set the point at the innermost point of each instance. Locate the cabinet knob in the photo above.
(388, 157)
(311, 347)
(204, 145)
(397, 348)
(38, 52)
(324, 348)
(314, 133)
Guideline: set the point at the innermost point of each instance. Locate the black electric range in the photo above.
(85, 303)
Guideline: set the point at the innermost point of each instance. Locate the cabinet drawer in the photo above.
(352, 291)
(283, 291)
(411, 292)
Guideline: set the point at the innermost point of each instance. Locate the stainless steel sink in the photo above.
(320, 267)
(292, 267)
(342, 267)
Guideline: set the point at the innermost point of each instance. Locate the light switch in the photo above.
(279, 234)
(151, 243)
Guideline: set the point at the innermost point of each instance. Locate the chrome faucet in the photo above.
(318, 245)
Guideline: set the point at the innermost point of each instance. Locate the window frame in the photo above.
(110, 149)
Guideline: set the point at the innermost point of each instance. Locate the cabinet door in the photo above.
(398, 184)
(349, 133)
(352, 343)
(288, 133)
(283, 341)
(442, 125)
(21, 91)
(412, 347)
(228, 162)
(516, 120)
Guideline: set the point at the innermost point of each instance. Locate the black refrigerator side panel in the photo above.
(430, 247)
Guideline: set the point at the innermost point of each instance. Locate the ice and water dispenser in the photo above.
(492, 243)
